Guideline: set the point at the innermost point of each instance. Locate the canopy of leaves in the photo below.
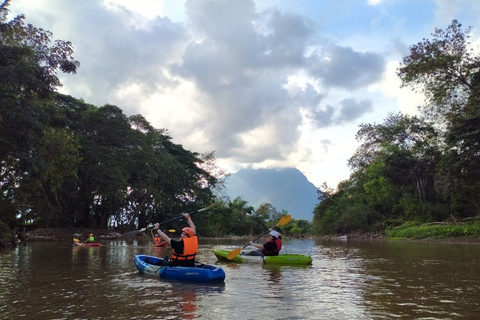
(67, 163)
(411, 168)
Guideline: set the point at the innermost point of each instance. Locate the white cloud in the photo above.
(406, 98)
(146, 10)
(270, 83)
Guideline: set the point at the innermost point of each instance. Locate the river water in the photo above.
(347, 280)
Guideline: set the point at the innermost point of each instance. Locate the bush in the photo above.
(7, 235)
(411, 230)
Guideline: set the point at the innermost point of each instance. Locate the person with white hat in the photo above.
(272, 246)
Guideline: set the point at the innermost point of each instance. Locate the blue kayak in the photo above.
(203, 273)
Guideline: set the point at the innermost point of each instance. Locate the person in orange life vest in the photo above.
(156, 238)
(272, 246)
(185, 249)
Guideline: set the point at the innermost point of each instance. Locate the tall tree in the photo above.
(28, 67)
(448, 71)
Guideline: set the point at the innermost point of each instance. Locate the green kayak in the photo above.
(287, 258)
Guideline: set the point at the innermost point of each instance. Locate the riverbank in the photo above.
(459, 239)
(59, 234)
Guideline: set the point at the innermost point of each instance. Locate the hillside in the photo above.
(285, 189)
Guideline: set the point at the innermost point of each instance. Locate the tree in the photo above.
(444, 69)
(28, 67)
(67, 163)
(449, 73)
(417, 168)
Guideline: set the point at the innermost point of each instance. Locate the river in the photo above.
(347, 280)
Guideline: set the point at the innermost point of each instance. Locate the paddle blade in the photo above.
(213, 205)
(232, 254)
(285, 219)
(132, 233)
(75, 240)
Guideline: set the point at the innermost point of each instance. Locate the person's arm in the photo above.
(190, 222)
(256, 245)
(162, 234)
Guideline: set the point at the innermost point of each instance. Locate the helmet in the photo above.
(274, 233)
(91, 235)
(189, 231)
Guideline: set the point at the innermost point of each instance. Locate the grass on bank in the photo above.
(414, 230)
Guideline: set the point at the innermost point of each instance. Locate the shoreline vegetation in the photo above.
(464, 232)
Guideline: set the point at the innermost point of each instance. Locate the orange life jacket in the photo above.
(190, 248)
(157, 240)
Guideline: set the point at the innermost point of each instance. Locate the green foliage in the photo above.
(6, 234)
(67, 163)
(38, 154)
(237, 218)
(294, 228)
(449, 73)
(409, 168)
(414, 231)
(296, 231)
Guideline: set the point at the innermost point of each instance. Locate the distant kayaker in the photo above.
(271, 247)
(185, 249)
(156, 239)
(90, 238)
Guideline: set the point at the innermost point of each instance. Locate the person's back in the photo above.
(185, 249)
(90, 239)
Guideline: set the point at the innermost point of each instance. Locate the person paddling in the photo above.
(185, 249)
(156, 239)
(271, 247)
(90, 238)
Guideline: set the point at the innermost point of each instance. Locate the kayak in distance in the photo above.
(87, 244)
(286, 259)
(201, 273)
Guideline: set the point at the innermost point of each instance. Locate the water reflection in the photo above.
(273, 274)
(347, 280)
(416, 278)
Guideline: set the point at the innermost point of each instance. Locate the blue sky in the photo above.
(268, 83)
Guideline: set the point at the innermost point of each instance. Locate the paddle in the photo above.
(135, 232)
(77, 240)
(235, 252)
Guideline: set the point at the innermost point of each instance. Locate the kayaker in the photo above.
(271, 247)
(185, 249)
(156, 238)
(90, 238)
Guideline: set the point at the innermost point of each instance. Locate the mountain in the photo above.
(285, 189)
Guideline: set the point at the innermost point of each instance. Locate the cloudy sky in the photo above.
(266, 83)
